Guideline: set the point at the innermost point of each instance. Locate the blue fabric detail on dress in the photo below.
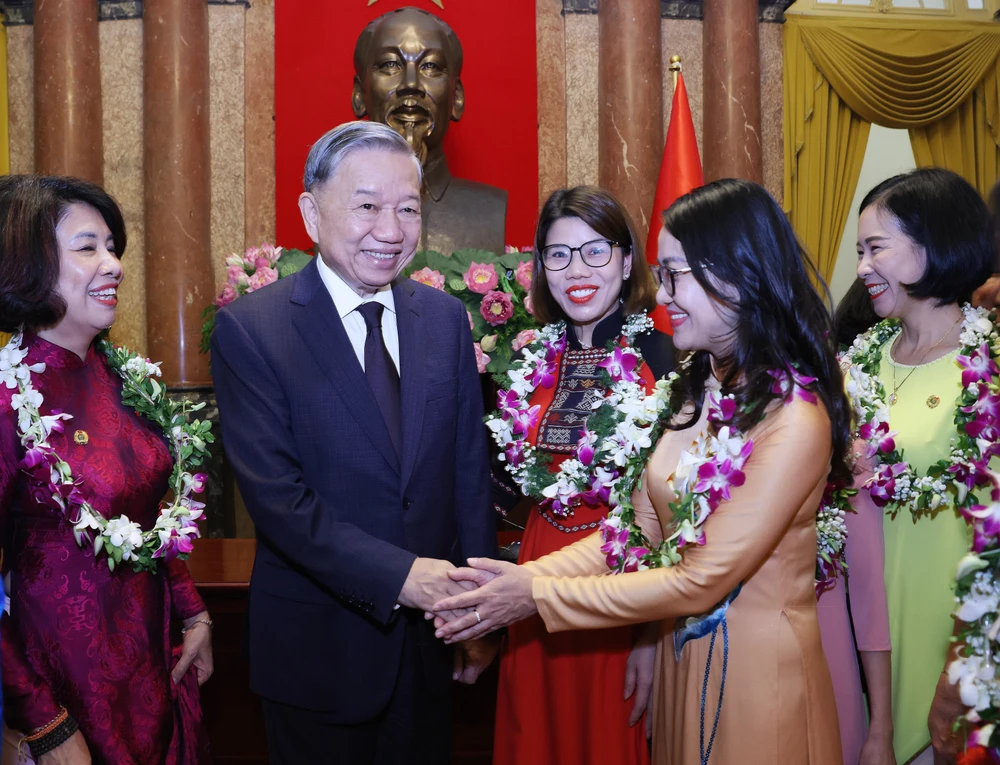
(696, 627)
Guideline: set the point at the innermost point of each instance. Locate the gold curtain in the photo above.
(824, 147)
(938, 81)
(966, 140)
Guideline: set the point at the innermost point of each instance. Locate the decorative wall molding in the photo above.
(771, 11)
(21, 12)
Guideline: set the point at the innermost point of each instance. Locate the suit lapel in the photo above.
(323, 332)
(412, 372)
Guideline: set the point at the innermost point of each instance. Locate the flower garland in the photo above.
(952, 480)
(615, 436)
(977, 416)
(119, 538)
(702, 481)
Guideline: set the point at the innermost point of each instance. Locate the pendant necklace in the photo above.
(892, 396)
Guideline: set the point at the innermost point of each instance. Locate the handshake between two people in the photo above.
(468, 603)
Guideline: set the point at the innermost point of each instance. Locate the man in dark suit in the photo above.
(352, 415)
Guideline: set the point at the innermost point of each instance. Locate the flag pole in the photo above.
(675, 68)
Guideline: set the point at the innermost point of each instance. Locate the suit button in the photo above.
(406, 504)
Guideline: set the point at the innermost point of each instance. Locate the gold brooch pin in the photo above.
(933, 401)
(81, 437)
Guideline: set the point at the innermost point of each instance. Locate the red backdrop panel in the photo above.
(496, 141)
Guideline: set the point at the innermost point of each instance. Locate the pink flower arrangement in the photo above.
(481, 358)
(430, 277)
(496, 307)
(481, 278)
(248, 272)
(523, 274)
(491, 286)
(261, 278)
(524, 337)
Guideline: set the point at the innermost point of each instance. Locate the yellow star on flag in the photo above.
(438, 3)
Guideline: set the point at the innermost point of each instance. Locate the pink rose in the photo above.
(496, 307)
(524, 337)
(523, 274)
(528, 305)
(481, 277)
(227, 296)
(237, 276)
(262, 277)
(481, 358)
(430, 277)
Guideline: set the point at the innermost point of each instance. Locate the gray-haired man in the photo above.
(351, 413)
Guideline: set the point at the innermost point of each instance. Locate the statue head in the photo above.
(407, 65)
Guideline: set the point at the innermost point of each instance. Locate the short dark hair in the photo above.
(605, 214)
(939, 211)
(453, 47)
(734, 231)
(31, 207)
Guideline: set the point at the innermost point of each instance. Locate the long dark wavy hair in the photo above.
(734, 232)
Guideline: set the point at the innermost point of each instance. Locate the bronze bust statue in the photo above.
(408, 66)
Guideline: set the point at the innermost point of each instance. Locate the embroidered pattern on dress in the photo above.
(578, 388)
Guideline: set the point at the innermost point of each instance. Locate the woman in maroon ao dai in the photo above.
(80, 637)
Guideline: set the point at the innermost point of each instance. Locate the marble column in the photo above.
(177, 170)
(731, 144)
(630, 104)
(68, 89)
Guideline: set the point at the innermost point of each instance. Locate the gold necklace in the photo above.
(892, 396)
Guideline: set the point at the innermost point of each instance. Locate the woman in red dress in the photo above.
(89, 671)
(589, 271)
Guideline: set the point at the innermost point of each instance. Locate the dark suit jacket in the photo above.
(340, 518)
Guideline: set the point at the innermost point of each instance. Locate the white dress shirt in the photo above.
(347, 302)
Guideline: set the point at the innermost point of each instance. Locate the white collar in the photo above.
(346, 299)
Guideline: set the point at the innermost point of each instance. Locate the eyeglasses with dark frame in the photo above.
(667, 277)
(595, 253)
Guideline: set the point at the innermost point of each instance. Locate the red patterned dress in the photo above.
(561, 696)
(78, 635)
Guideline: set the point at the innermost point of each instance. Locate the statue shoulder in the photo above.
(477, 191)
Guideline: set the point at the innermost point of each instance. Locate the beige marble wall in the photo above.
(226, 131)
(258, 116)
(20, 99)
(581, 99)
(121, 107)
(550, 30)
(772, 109)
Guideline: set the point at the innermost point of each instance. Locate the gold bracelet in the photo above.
(191, 626)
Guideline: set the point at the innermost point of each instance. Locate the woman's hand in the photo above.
(197, 650)
(639, 677)
(72, 751)
(497, 603)
(877, 749)
(946, 708)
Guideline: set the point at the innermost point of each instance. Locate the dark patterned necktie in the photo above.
(381, 372)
